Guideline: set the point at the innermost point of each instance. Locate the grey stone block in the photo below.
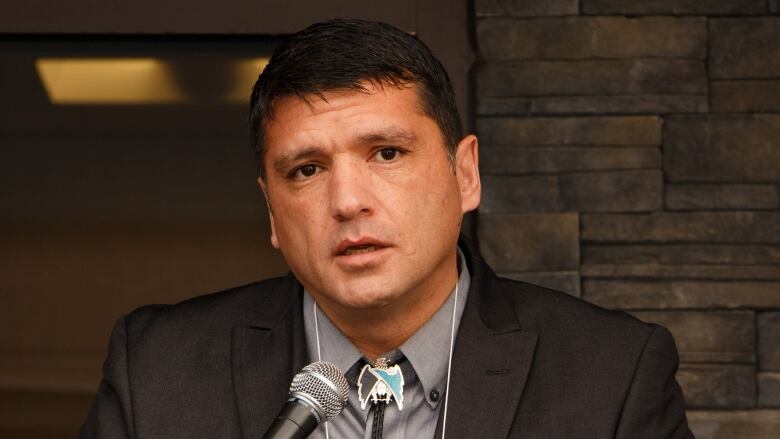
(618, 191)
(718, 386)
(659, 271)
(557, 159)
(741, 424)
(499, 106)
(709, 336)
(511, 194)
(721, 197)
(620, 254)
(681, 254)
(769, 340)
(681, 227)
(530, 242)
(598, 131)
(721, 254)
(744, 48)
(722, 148)
(745, 96)
(591, 77)
(592, 37)
(769, 389)
(649, 294)
(613, 104)
(525, 8)
(674, 7)
(566, 281)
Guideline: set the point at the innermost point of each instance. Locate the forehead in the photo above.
(347, 113)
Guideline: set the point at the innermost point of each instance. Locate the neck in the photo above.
(375, 331)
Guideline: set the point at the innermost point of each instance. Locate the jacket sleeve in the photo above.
(654, 407)
(111, 415)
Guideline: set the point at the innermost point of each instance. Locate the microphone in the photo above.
(318, 393)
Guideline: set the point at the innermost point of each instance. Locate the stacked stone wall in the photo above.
(630, 152)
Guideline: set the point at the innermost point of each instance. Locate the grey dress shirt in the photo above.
(425, 372)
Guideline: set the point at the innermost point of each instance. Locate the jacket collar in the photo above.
(491, 361)
(266, 354)
(490, 365)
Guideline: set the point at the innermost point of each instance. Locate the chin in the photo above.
(367, 299)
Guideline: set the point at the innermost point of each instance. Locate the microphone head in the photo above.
(323, 386)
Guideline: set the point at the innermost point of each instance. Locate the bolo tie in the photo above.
(379, 384)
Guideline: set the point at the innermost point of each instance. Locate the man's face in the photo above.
(365, 203)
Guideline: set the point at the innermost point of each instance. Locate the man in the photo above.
(367, 176)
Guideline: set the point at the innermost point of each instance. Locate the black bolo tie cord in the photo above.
(379, 419)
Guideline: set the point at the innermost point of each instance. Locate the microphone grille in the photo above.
(325, 384)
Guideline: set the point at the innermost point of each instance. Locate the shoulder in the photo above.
(567, 307)
(192, 341)
(168, 362)
(594, 353)
(568, 326)
(212, 313)
(561, 321)
(558, 312)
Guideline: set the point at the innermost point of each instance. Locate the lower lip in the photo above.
(362, 260)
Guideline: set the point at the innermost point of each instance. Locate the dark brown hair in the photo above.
(343, 55)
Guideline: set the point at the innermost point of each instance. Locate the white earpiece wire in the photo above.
(319, 353)
(449, 360)
(449, 364)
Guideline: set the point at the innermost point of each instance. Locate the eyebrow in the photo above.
(390, 135)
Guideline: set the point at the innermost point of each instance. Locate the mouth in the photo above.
(360, 249)
(362, 246)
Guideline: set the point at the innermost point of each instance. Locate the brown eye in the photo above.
(305, 171)
(388, 154)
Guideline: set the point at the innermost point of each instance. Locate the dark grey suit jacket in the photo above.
(528, 363)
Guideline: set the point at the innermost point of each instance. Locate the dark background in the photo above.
(630, 153)
(108, 207)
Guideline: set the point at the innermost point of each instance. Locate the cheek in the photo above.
(441, 190)
(428, 206)
(300, 222)
(295, 226)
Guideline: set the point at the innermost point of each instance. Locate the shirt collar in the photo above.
(332, 346)
(428, 350)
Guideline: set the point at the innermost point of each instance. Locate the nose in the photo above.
(350, 191)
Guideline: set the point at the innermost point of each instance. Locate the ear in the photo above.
(467, 172)
(264, 188)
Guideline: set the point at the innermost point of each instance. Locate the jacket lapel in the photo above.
(493, 355)
(266, 354)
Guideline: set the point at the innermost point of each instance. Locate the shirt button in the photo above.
(434, 395)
